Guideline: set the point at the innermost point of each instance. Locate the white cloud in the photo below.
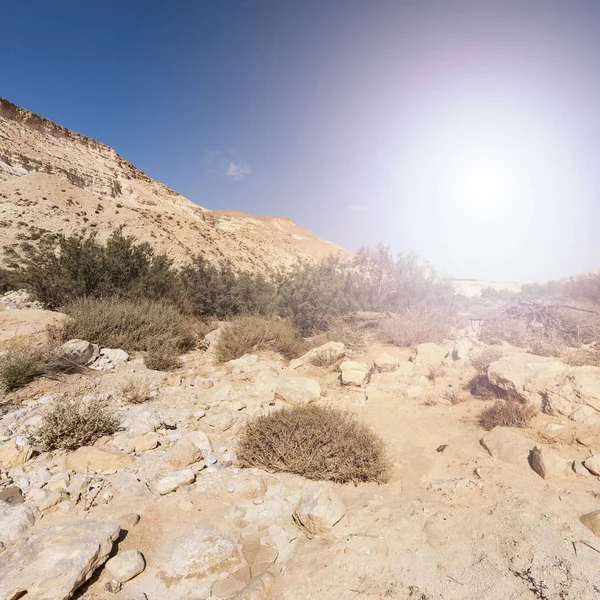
(237, 171)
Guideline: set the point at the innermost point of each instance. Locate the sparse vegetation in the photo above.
(162, 357)
(70, 423)
(415, 326)
(136, 391)
(247, 334)
(485, 358)
(507, 413)
(315, 442)
(435, 371)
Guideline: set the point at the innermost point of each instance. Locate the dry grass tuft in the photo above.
(485, 358)
(70, 423)
(340, 330)
(136, 391)
(316, 442)
(435, 371)
(582, 357)
(251, 333)
(547, 347)
(456, 397)
(501, 329)
(507, 413)
(415, 326)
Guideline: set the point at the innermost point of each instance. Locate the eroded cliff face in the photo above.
(54, 180)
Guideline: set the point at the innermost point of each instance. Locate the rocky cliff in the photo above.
(54, 180)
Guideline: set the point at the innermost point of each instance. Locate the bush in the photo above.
(162, 358)
(9, 280)
(251, 333)
(340, 330)
(20, 365)
(136, 391)
(546, 347)
(315, 442)
(70, 423)
(485, 358)
(507, 413)
(415, 326)
(129, 324)
(498, 330)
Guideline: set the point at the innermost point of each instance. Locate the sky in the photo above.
(466, 131)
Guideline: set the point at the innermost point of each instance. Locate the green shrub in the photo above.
(315, 442)
(70, 423)
(9, 280)
(251, 333)
(416, 326)
(129, 324)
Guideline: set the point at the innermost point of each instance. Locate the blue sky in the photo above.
(466, 131)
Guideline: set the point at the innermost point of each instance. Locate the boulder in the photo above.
(96, 459)
(78, 352)
(318, 510)
(22, 323)
(14, 455)
(327, 354)
(15, 520)
(125, 565)
(430, 354)
(592, 464)
(198, 553)
(549, 464)
(386, 362)
(296, 390)
(183, 454)
(592, 522)
(52, 563)
(507, 445)
(174, 481)
(354, 373)
(115, 355)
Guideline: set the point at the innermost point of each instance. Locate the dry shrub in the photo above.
(435, 371)
(546, 347)
(70, 423)
(480, 387)
(21, 364)
(415, 326)
(341, 330)
(455, 397)
(507, 413)
(497, 330)
(251, 333)
(323, 358)
(485, 358)
(129, 324)
(582, 357)
(162, 357)
(136, 391)
(316, 442)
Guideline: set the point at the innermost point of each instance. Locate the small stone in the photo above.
(319, 509)
(554, 427)
(183, 454)
(175, 480)
(128, 521)
(386, 362)
(354, 373)
(142, 443)
(126, 565)
(296, 390)
(78, 352)
(580, 469)
(113, 586)
(548, 463)
(13, 454)
(592, 522)
(592, 464)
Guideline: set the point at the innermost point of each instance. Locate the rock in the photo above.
(96, 459)
(79, 352)
(211, 339)
(15, 520)
(554, 427)
(142, 443)
(52, 563)
(547, 380)
(128, 484)
(324, 355)
(183, 454)
(13, 454)
(592, 522)
(125, 565)
(548, 463)
(592, 464)
(222, 420)
(507, 445)
(318, 510)
(43, 498)
(175, 480)
(585, 415)
(354, 373)
(259, 589)
(128, 521)
(115, 355)
(201, 441)
(430, 354)
(22, 323)
(12, 495)
(579, 468)
(199, 553)
(386, 362)
(296, 390)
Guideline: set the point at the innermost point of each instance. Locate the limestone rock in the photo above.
(21, 323)
(15, 520)
(142, 443)
(507, 445)
(175, 480)
(326, 354)
(79, 352)
(52, 563)
(43, 498)
(354, 373)
(318, 510)
(221, 421)
(96, 459)
(183, 454)
(115, 355)
(592, 522)
(386, 362)
(259, 589)
(201, 441)
(579, 468)
(296, 390)
(592, 464)
(13, 454)
(548, 463)
(585, 415)
(125, 565)
(430, 353)
(198, 553)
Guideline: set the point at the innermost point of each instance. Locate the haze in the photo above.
(466, 131)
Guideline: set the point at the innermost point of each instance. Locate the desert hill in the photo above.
(54, 180)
